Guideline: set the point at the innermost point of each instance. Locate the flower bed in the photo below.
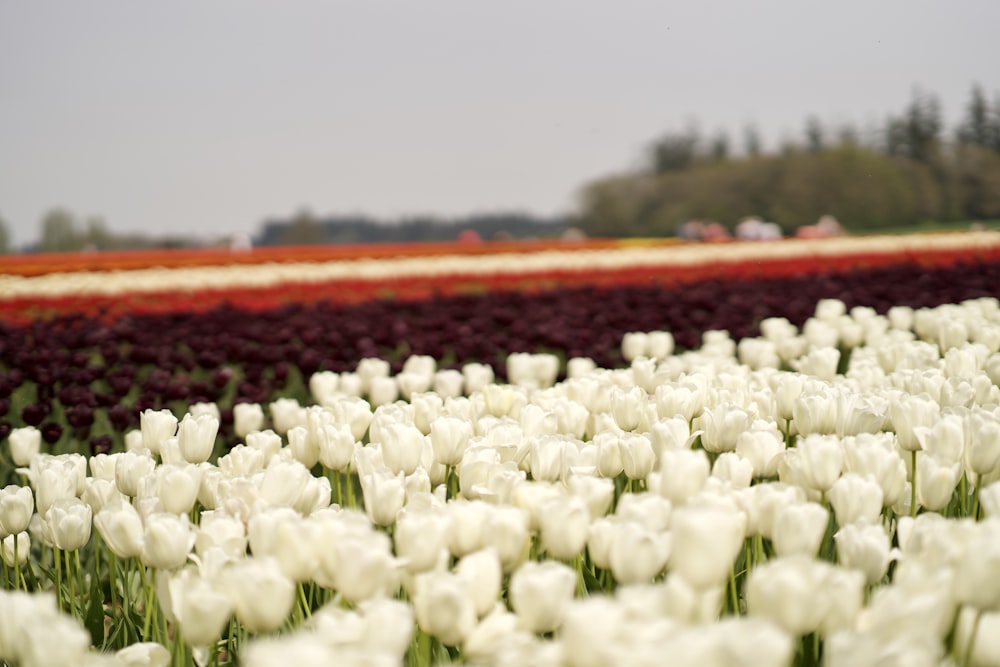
(793, 467)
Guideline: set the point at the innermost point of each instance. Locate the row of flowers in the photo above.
(270, 283)
(86, 379)
(829, 492)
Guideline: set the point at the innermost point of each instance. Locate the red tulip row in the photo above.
(725, 262)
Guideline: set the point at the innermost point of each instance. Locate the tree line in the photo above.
(907, 172)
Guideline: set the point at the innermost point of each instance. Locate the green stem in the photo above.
(975, 500)
(304, 602)
(80, 582)
(58, 565)
(72, 577)
(963, 494)
(112, 581)
(338, 491)
(967, 658)
(734, 599)
(6, 577)
(147, 623)
(913, 484)
(349, 480)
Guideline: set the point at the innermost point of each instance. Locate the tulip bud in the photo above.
(196, 437)
(638, 457)
(540, 594)
(704, 543)
(102, 466)
(468, 526)
(592, 630)
(596, 492)
(384, 495)
(633, 345)
(506, 532)
(268, 443)
(144, 654)
(637, 554)
(421, 540)
(448, 383)
(449, 438)
(16, 507)
(565, 522)
(121, 529)
(686, 400)
(722, 426)
(401, 446)
(822, 460)
(218, 530)
(907, 412)
(855, 498)
(483, 577)
(196, 604)
(68, 523)
(815, 411)
(51, 485)
(982, 442)
(25, 443)
(627, 407)
(167, 541)
(936, 482)
(15, 549)
(177, 487)
(156, 426)
(260, 593)
(802, 595)
(733, 469)
(579, 367)
(476, 376)
(493, 634)
(874, 457)
(683, 473)
(443, 607)
(761, 446)
(286, 413)
(609, 455)
(799, 529)
(864, 547)
(976, 581)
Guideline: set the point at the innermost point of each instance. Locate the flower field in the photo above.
(586, 454)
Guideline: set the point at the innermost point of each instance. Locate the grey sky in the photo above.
(209, 117)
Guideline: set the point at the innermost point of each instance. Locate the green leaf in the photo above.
(94, 619)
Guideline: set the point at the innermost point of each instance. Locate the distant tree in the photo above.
(751, 141)
(59, 233)
(303, 230)
(977, 174)
(674, 151)
(719, 148)
(977, 127)
(4, 237)
(96, 234)
(815, 135)
(848, 135)
(994, 143)
(923, 127)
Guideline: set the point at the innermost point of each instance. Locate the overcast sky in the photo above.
(209, 117)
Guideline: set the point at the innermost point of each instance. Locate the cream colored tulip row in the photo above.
(267, 275)
(494, 518)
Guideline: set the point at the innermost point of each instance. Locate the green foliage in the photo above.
(4, 237)
(905, 177)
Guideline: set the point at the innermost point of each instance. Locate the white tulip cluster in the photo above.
(836, 485)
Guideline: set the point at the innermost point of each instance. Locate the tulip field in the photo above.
(581, 454)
